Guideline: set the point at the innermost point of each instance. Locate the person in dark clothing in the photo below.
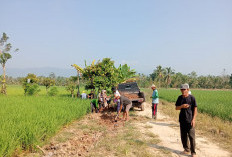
(187, 105)
(91, 95)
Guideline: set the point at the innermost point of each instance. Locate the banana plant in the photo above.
(126, 74)
(79, 72)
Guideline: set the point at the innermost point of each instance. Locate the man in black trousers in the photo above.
(187, 105)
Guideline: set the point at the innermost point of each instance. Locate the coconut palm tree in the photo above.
(168, 75)
(160, 73)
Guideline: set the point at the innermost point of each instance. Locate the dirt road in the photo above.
(168, 132)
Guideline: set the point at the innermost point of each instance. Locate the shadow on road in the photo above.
(164, 124)
(168, 149)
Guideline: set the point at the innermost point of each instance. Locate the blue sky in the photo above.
(185, 35)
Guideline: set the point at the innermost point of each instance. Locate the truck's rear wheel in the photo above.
(141, 95)
(142, 107)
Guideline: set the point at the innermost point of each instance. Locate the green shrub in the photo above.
(32, 89)
(53, 91)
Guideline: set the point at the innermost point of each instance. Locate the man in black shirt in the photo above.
(187, 105)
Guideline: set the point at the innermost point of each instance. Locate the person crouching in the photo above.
(127, 104)
(94, 105)
(117, 102)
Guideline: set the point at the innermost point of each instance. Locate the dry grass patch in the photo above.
(148, 126)
(64, 136)
(127, 141)
(152, 135)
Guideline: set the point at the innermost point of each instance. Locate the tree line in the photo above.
(166, 77)
(98, 77)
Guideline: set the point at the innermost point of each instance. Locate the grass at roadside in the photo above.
(125, 143)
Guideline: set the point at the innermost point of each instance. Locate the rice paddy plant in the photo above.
(27, 121)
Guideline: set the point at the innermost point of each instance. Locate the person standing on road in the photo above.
(187, 105)
(127, 104)
(155, 101)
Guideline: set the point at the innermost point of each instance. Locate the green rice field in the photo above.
(212, 102)
(27, 121)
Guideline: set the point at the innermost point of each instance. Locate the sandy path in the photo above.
(168, 132)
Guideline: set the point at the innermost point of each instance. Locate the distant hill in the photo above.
(18, 72)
